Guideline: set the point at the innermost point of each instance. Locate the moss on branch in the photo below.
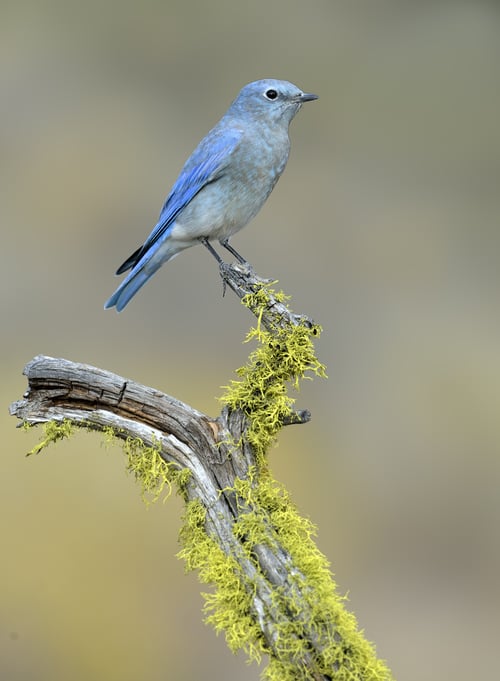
(273, 593)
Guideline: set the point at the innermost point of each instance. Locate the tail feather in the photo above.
(140, 274)
(143, 270)
(131, 261)
(128, 288)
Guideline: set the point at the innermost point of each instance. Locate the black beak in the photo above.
(308, 97)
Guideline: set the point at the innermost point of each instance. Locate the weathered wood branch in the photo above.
(90, 397)
(245, 282)
(304, 630)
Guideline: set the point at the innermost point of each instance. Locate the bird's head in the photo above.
(273, 100)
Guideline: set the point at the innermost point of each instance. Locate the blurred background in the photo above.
(384, 228)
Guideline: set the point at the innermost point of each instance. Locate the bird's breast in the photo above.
(227, 204)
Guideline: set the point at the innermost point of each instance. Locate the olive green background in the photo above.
(384, 228)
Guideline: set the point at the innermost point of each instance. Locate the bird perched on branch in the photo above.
(223, 184)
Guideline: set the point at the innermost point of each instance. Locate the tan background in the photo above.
(384, 228)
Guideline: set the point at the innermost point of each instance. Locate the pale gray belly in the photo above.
(226, 205)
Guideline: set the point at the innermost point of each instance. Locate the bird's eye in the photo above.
(271, 94)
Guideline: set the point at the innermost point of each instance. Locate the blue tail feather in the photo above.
(129, 286)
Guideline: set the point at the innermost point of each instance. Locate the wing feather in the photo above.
(206, 164)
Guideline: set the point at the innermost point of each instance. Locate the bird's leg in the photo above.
(212, 250)
(221, 262)
(238, 257)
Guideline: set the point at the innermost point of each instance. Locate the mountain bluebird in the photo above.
(223, 184)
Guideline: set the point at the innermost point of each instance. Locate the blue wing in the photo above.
(205, 165)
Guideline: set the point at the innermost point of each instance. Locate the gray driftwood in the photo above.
(59, 389)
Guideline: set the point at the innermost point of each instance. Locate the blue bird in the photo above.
(223, 184)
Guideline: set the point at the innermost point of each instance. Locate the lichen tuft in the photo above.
(53, 432)
(149, 469)
(312, 595)
(308, 608)
(156, 476)
(283, 357)
(228, 607)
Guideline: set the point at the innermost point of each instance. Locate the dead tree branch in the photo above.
(287, 598)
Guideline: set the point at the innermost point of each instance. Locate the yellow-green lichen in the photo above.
(228, 607)
(282, 357)
(53, 431)
(155, 475)
(312, 590)
(307, 608)
(149, 469)
(309, 619)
